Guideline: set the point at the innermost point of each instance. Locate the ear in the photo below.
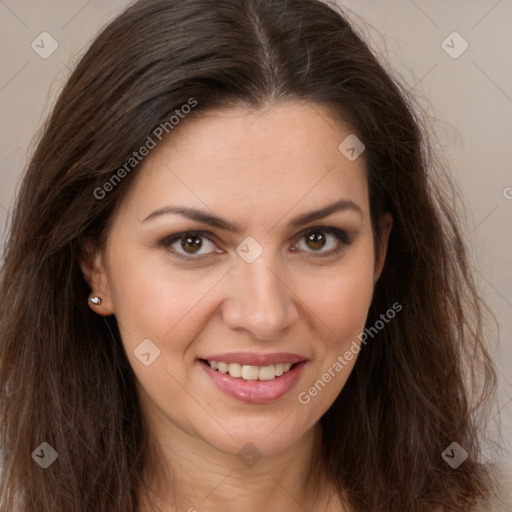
(94, 272)
(385, 225)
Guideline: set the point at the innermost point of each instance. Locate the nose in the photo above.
(260, 301)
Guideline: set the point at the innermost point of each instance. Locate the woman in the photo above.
(232, 281)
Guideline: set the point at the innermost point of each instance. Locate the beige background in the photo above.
(470, 96)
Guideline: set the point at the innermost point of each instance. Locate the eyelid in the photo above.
(342, 236)
(170, 240)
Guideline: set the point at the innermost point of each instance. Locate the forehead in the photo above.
(273, 160)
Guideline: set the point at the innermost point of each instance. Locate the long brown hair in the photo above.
(64, 377)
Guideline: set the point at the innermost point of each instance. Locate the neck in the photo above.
(191, 475)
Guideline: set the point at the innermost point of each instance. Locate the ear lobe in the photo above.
(94, 272)
(385, 226)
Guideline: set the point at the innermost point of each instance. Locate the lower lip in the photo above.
(255, 391)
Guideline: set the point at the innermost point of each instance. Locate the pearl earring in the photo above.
(95, 300)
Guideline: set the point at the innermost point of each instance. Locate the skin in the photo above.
(258, 169)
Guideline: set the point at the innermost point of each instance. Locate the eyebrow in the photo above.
(220, 223)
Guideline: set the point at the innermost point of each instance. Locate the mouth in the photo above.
(250, 372)
(254, 383)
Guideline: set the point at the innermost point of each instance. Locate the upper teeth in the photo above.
(251, 372)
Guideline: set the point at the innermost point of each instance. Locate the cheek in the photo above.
(340, 307)
(340, 302)
(152, 302)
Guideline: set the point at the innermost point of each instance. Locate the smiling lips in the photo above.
(254, 378)
(249, 372)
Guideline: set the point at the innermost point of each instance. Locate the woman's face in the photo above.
(244, 244)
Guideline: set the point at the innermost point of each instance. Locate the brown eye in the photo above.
(315, 240)
(325, 241)
(191, 243)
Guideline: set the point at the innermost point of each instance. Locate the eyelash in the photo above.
(343, 238)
